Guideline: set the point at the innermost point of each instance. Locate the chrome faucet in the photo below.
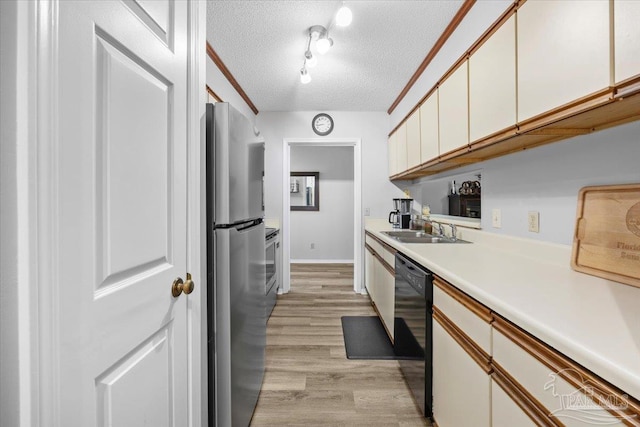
(440, 228)
(454, 232)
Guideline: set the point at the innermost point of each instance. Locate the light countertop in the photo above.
(594, 321)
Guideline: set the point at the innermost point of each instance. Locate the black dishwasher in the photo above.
(413, 337)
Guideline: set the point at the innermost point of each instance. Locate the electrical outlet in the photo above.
(534, 221)
(367, 211)
(496, 218)
(313, 246)
(407, 193)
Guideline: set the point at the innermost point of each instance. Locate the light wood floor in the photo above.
(308, 380)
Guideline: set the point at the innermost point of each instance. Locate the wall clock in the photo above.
(322, 124)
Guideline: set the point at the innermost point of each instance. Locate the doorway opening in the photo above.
(351, 144)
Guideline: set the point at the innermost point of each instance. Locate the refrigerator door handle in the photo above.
(249, 225)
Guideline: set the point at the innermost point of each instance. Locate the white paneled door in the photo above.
(120, 345)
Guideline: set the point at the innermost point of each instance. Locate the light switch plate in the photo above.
(496, 218)
(533, 220)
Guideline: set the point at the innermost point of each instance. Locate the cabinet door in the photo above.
(563, 53)
(386, 297)
(461, 388)
(453, 99)
(505, 412)
(492, 83)
(413, 140)
(370, 273)
(429, 128)
(401, 160)
(626, 38)
(393, 154)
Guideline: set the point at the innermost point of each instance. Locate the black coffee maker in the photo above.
(400, 217)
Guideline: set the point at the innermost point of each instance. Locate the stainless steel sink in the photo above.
(409, 236)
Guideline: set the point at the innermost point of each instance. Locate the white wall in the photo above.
(547, 180)
(371, 127)
(221, 86)
(331, 228)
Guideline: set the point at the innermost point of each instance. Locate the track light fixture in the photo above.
(311, 60)
(344, 16)
(320, 35)
(305, 77)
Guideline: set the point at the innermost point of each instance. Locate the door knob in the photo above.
(188, 286)
(179, 286)
(176, 287)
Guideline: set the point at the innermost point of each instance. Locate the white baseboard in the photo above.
(321, 261)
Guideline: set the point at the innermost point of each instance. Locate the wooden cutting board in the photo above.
(607, 237)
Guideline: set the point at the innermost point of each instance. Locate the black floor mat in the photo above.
(365, 338)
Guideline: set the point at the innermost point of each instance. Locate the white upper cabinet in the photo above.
(492, 83)
(454, 110)
(429, 144)
(413, 139)
(392, 147)
(401, 153)
(626, 38)
(563, 53)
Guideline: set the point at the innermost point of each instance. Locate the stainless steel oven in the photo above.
(271, 289)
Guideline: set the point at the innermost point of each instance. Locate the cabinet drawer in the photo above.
(377, 247)
(566, 403)
(385, 252)
(469, 315)
(368, 239)
(389, 257)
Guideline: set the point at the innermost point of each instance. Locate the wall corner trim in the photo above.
(225, 71)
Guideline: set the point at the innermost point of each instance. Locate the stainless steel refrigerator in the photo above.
(236, 327)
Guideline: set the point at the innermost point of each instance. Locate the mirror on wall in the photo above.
(304, 189)
(457, 195)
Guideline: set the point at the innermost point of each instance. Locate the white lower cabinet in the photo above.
(554, 399)
(370, 274)
(489, 372)
(505, 412)
(386, 297)
(461, 355)
(380, 280)
(461, 388)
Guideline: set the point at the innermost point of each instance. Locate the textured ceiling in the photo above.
(262, 43)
